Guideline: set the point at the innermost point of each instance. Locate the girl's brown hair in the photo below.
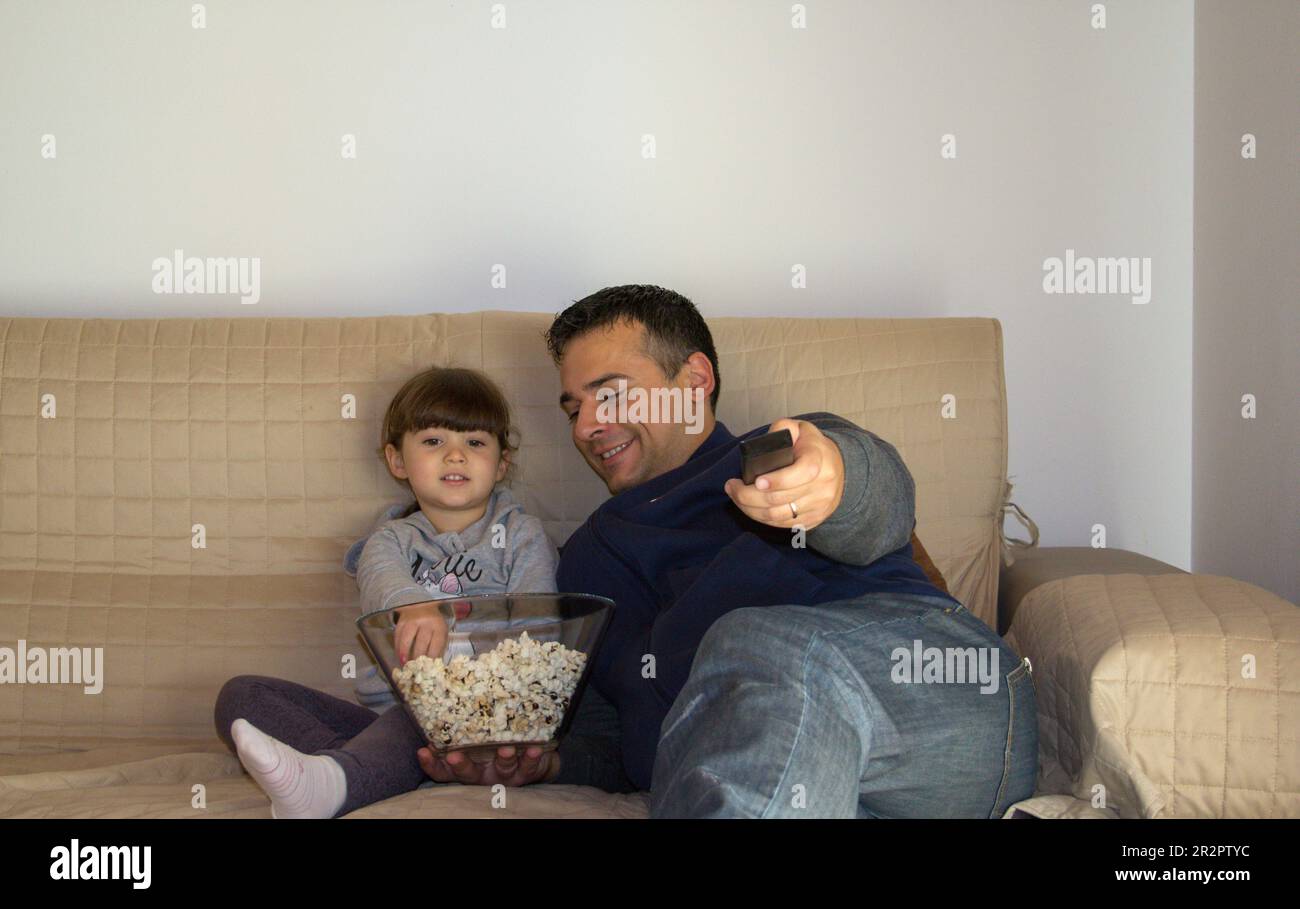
(453, 398)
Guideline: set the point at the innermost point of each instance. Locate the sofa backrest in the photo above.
(181, 492)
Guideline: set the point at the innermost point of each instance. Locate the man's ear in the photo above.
(396, 466)
(700, 374)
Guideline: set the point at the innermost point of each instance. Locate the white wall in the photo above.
(1247, 317)
(522, 146)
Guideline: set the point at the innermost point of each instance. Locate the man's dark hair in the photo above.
(674, 328)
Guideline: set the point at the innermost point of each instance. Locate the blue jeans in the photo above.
(816, 711)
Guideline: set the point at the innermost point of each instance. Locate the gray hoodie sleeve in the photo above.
(877, 512)
(352, 557)
(533, 557)
(384, 575)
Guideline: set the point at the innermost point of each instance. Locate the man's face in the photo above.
(598, 359)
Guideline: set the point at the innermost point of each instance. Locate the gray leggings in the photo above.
(377, 751)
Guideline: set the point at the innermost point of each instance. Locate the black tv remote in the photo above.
(766, 453)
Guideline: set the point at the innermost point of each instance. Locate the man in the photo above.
(772, 650)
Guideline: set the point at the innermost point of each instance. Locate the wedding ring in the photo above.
(794, 511)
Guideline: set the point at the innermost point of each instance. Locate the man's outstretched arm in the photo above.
(877, 512)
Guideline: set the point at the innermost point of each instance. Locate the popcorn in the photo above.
(516, 692)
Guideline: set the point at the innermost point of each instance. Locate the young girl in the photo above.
(445, 434)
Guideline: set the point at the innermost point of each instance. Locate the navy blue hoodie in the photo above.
(675, 554)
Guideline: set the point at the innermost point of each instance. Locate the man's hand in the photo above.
(509, 769)
(814, 482)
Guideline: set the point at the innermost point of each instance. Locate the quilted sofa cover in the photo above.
(180, 492)
(1165, 696)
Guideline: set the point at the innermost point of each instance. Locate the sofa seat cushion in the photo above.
(48, 758)
(536, 801)
(123, 781)
(151, 787)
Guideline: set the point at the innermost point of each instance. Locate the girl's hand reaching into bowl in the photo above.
(421, 631)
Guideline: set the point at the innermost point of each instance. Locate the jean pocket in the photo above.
(1020, 757)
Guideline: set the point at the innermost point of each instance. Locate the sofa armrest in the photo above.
(1041, 564)
(1165, 695)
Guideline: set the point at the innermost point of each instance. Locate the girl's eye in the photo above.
(476, 442)
(573, 416)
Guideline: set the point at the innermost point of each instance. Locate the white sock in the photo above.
(300, 785)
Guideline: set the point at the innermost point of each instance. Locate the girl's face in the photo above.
(449, 470)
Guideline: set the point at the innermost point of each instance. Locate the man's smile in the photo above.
(616, 454)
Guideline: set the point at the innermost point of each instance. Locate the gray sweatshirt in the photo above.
(406, 560)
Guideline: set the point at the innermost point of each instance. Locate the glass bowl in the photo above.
(541, 646)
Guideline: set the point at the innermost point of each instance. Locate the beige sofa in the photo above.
(180, 493)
